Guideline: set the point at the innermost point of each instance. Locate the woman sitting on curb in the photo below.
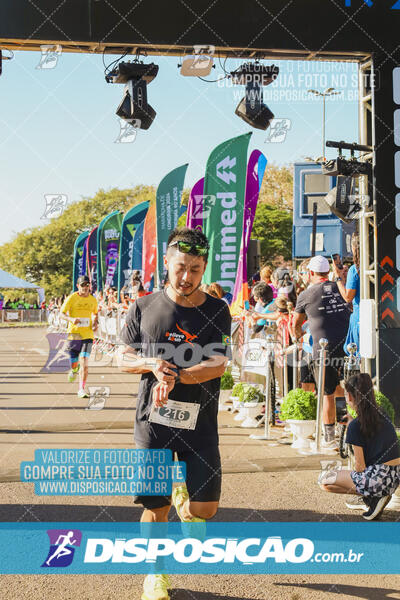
(376, 451)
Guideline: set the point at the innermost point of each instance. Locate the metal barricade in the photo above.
(56, 322)
(22, 315)
(295, 364)
(352, 363)
(281, 361)
(269, 409)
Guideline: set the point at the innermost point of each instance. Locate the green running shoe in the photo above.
(194, 527)
(155, 587)
(73, 373)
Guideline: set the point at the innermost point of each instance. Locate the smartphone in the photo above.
(341, 409)
(337, 260)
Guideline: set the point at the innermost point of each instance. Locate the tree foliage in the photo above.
(277, 187)
(43, 255)
(274, 214)
(273, 227)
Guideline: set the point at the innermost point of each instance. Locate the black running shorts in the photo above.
(76, 348)
(203, 478)
(333, 372)
(306, 374)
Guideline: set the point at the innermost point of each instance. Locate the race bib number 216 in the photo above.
(181, 415)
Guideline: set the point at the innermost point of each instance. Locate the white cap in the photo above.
(319, 264)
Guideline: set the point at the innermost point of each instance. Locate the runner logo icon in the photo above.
(184, 336)
(61, 551)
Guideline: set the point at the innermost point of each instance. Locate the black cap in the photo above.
(83, 279)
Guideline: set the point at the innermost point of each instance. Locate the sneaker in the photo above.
(332, 446)
(72, 373)
(376, 506)
(357, 503)
(155, 587)
(83, 394)
(179, 497)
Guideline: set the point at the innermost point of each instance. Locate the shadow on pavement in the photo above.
(182, 594)
(131, 512)
(288, 515)
(62, 512)
(10, 376)
(354, 591)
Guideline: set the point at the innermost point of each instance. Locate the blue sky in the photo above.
(58, 126)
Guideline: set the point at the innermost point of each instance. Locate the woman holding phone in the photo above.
(376, 451)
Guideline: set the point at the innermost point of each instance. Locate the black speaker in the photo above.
(253, 258)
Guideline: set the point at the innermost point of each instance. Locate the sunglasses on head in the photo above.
(188, 248)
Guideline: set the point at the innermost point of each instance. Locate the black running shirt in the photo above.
(327, 314)
(381, 448)
(159, 328)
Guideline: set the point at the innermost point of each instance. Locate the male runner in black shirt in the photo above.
(328, 317)
(184, 335)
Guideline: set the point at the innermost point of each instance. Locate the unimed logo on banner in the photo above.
(62, 547)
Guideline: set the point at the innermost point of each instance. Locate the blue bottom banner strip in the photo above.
(200, 548)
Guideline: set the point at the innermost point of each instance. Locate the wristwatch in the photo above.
(338, 279)
(178, 377)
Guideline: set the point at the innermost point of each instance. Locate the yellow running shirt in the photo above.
(80, 307)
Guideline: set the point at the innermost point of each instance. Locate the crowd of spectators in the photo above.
(20, 304)
(318, 301)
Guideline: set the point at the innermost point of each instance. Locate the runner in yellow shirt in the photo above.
(78, 309)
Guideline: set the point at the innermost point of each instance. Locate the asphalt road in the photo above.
(261, 482)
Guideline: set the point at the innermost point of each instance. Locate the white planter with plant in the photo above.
(299, 410)
(240, 392)
(237, 392)
(240, 416)
(253, 400)
(227, 384)
(302, 430)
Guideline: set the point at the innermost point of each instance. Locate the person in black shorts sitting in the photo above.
(328, 317)
(184, 337)
(376, 451)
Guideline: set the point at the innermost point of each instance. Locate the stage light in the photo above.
(134, 107)
(344, 200)
(348, 167)
(252, 108)
(352, 175)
